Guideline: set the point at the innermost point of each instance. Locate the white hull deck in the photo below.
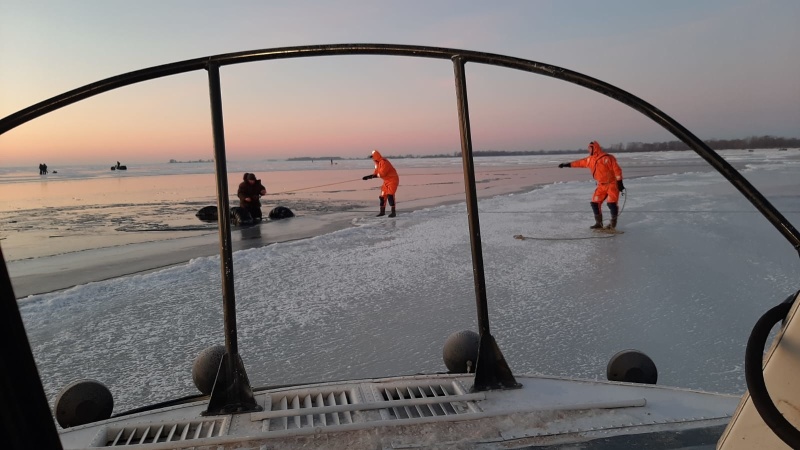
(431, 411)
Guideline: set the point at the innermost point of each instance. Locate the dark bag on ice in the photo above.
(207, 213)
(280, 212)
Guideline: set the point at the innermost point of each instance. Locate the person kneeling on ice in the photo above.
(385, 170)
(608, 175)
(250, 190)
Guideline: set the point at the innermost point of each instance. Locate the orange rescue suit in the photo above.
(385, 170)
(605, 171)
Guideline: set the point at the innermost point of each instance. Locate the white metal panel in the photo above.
(747, 429)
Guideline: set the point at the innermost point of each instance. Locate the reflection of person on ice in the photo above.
(385, 170)
(608, 175)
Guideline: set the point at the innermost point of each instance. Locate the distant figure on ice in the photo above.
(250, 190)
(608, 175)
(385, 170)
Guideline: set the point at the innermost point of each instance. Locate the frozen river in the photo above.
(695, 268)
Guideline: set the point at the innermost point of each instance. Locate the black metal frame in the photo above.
(235, 395)
(491, 368)
(25, 417)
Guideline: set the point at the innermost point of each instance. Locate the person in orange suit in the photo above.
(608, 175)
(385, 170)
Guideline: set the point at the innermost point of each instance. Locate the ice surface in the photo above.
(695, 268)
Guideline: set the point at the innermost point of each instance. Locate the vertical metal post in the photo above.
(25, 418)
(491, 369)
(223, 207)
(232, 391)
(472, 197)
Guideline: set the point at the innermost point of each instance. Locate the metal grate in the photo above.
(291, 415)
(164, 432)
(449, 394)
(300, 411)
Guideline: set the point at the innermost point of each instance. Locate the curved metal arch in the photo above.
(717, 162)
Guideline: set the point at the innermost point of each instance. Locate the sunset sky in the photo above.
(723, 68)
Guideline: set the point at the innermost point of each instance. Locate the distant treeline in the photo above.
(309, 158)
(753, 142)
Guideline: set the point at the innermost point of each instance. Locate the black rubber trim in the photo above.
(754, 375)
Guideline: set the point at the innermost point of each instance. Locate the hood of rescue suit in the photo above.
(376, 156)
(595, 149)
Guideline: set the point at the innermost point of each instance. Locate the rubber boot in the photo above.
(598, 222)
(393, 213)
(383, 212)
(613, 224)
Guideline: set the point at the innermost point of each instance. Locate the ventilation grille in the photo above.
(311, 410)
(164, 432)
(422, 400)
(329, 409)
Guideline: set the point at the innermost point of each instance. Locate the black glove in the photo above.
(620, 186)
(367, 177)
(561, 166)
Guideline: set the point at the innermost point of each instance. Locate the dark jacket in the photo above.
(252, 191)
